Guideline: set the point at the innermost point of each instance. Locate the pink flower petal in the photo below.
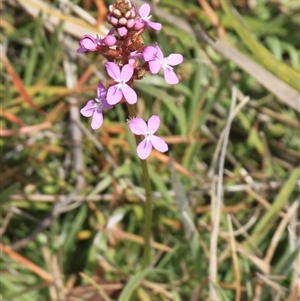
(127, 72)
(154, 25)
(81, 50)
(154, 66)
(88, 42)
(170, 77)
(144, 149)
(159, 144)
(106, 105)
(174, 59)
(101, 91)
(88, 110)
(153, 124)
(113, 70)
(129, 94)
(111, 32)
(97, 120)
(144, 10)
(159, 53)
(138, 126)
(113, 95)
(149, 53)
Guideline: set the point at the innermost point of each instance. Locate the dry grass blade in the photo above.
(216, 207)
(24, 261)
(234, 260)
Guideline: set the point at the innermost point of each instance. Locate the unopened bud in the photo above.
(129, 4)
(112, 20)
(128, 14)
(122, 21)
(110, 8)
(109, 40)
(130, 23)
(138, 24)
(122, 31)
(117, 13)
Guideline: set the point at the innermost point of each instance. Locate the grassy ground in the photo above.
(226, 195)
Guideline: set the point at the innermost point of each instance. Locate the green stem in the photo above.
(148, 206)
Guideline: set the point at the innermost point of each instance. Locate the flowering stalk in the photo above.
(148, 192)
(128, 60)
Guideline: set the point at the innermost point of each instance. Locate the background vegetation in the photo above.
(225, 213)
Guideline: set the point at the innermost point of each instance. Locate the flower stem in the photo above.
(148, 206)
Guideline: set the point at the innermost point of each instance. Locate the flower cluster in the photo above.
(128, 59)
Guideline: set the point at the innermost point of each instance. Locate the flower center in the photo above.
(145, 18)
(148, 137)
(165, 65)
(97, 105)
(120, 84)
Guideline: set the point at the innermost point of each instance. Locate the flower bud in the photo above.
(112, 20)
(130, 23)
(128, 14)
(116, 13)
(122, 21)
(110, 8)
(109, 40)
(122, 31)
(139, 23)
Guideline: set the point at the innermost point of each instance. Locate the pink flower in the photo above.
(157, 61)
(139, 127)
(88, 43)
(144, 13)
(121, 77)
(95, 107)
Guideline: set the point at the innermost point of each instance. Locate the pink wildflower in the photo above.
(144, 13)
(157, 61)
(95, 107)
(139, 127)
(121, 77)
